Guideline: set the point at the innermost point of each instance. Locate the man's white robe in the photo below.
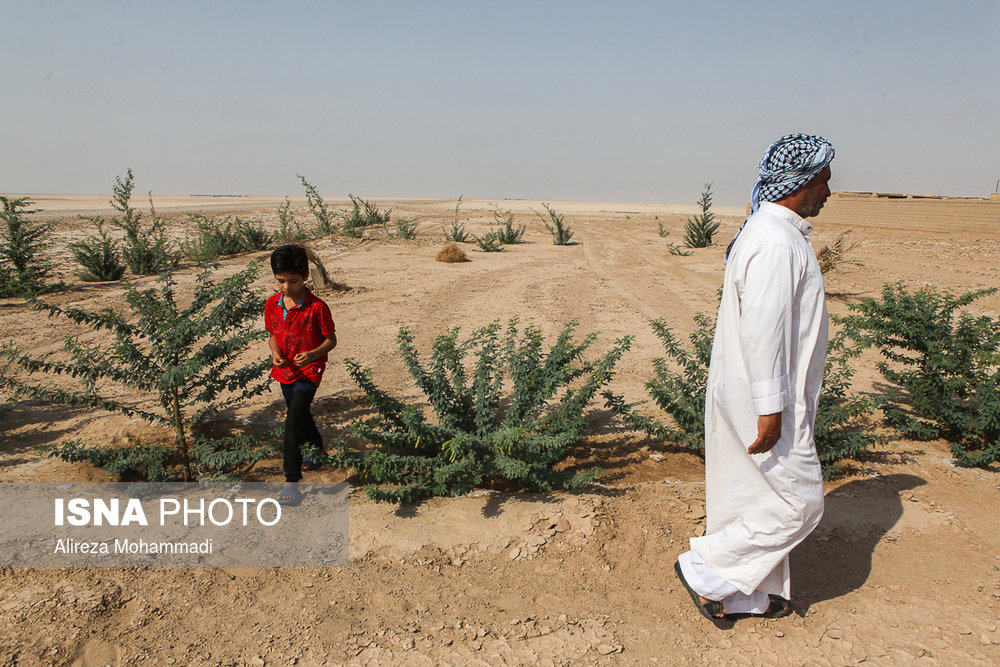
(768, 357)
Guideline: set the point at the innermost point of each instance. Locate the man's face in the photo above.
(814, 194)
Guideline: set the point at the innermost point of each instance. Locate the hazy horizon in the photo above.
(630, 102)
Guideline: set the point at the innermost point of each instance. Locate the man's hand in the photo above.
(304, 358)
(768, 432)
(279, 360)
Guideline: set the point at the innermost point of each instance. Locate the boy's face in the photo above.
(291, 284)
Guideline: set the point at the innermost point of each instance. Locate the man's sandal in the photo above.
(710, 609)
(778, 607)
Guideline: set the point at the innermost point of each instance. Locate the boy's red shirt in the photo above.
(304, 330)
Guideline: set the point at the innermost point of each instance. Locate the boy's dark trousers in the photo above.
(300, 429)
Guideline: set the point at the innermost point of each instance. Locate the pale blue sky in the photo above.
(620, 101)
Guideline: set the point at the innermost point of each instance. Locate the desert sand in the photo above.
(905, 567)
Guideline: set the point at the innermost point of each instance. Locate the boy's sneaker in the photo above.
(311, 462)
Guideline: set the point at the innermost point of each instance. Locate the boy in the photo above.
(302, 333)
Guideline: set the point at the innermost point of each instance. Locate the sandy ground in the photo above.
(904, 568)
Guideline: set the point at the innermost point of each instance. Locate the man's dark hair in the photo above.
(291, 258)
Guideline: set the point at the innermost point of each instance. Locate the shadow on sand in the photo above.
(837, 558)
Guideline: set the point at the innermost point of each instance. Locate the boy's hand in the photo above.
(303, 358)
(279, 361)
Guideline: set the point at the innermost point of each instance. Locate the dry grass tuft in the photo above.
(833, 255)
(451, 253)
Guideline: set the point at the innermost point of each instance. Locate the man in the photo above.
(763, 483)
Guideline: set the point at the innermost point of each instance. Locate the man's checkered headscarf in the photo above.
(788, 164)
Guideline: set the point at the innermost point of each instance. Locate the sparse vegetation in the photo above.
(490, 242)
(451, 254)
(678, 251)
(507, 233)
(561, 233)
(946, 360)
(661, 230)
(482, 433)
(231, 236)
(99, 256)
(406, 228)
(680, 380)
(835, 254)
(145, 250)
(457, 233)
(700, 229)
(325, 222)
(186, 357)
(289, 229)
(23, 268)
(363, 214)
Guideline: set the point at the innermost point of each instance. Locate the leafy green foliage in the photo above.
(169, 364)
(99, 256)
(232, 236)
(561, 233)
(481, 433)
(457, 233)
(490, 242)
(508, 233)
(699, 229)
(678, 387)
(842, 416)
(363, 214)
(406, 229)
(145, 249)
(660, 229)
(678, 251)
(946, 360)
(325, 222)
(23, 269)
(679, 391)
(289, 229)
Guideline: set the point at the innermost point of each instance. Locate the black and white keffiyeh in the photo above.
(787, 165)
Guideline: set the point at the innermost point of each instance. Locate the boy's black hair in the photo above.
(291, 258)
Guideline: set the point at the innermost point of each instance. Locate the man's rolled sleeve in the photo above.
(766, 322)
(771, 396)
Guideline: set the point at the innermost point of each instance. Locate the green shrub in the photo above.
(325, 223)
(144, 249)
(363, 214)
(253, 237)
(947, 362)
(212, 239)
(561, 233)
(699, 229)
(457, 234)
(232, 236)
(99, 256)
(678, 251)
(508, 233)
(678, 387)
(23, 269)
(289, 230)
(406, 229)
(482, 432)
(185, 357)
(490, 242)
(661, 230)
